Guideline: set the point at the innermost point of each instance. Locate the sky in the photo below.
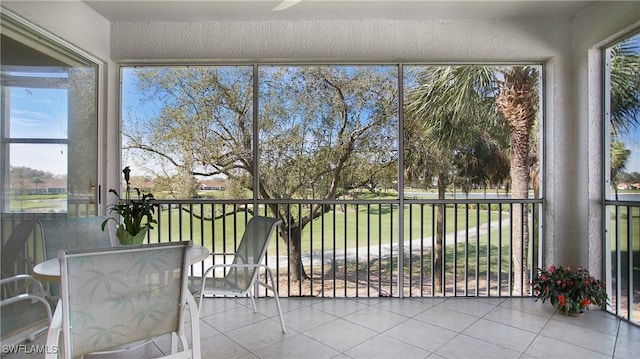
(39, 113)
(632, 142)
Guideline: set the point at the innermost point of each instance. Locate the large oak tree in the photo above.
(322, 130)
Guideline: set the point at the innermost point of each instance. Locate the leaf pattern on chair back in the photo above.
(252, 249)
(120, 296)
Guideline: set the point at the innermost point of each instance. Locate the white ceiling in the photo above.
(263, 10)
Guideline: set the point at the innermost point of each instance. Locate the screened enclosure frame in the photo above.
(401, 201)
(619, 231)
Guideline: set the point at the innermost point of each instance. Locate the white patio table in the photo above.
(49, 270)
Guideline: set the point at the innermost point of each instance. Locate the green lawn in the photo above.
(629, 234)
(625, 227)
(353, 227)
(36, 202)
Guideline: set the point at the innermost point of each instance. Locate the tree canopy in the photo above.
(322, 130)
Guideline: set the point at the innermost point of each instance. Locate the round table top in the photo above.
(49, 270)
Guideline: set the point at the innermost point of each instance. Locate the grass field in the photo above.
(337, 229)
(625, 236)
(375, 226)
(38, 202)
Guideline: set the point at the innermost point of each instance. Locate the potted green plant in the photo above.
(136, 214)
(570, 291)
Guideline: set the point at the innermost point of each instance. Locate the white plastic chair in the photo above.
(243, 272)
(25, 312)
(113, 297)
(74, 233)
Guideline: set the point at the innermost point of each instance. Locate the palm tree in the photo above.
(619, 156)
(441, 114)
(457, 104)
(517, 101)
(624, 67)
(625, 87)
(484, 162)
(424, 161)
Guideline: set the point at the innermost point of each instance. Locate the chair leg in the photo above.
(199, 302)
(194, 311)
(174, 343)
(53, 335)
(253, 301)
(275, 294)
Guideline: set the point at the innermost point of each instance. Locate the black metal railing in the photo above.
(372, 248)
(622, 258)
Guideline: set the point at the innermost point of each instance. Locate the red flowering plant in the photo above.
(570, 291)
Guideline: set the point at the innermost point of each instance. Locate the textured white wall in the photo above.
(73, 21)
(365, 40)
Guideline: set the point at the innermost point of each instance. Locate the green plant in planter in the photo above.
(136, 215)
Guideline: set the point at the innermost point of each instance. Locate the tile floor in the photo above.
(402, 328)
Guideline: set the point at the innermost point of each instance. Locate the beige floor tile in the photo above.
(423, 335)
(376, 318)
(436, 328)
(463, 347)
(447, 318)
(233, 319)
(340, 334)
(546, 347)
(305, 318)
(500, 334)
(515, 318)
(259, 335)
(340, 308)
(385, 347)
(298, 346)
(468, 306)
(579, 335)
(408, 307)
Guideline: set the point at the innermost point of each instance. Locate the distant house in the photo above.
(46, 185)
(144, 185)
(625, 185)
(217, 184)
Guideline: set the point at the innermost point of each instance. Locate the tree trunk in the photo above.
(293, 239)
(516, 101)
(438, 250)
(520, 231)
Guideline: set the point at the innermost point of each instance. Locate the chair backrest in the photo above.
(252, 250)
(120, 295)
(73, 233)
(13, 248)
